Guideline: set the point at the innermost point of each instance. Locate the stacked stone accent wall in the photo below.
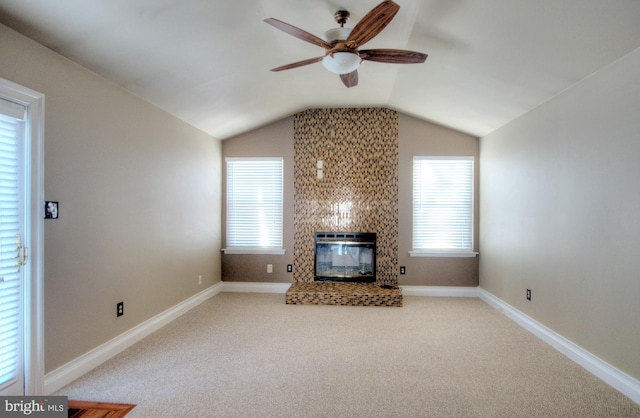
(359, 188)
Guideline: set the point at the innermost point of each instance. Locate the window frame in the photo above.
(444, 252)
(231, 249)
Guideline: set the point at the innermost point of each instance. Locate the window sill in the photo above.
(249, 250)
(444, 253)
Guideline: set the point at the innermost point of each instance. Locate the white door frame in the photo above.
(34, 288)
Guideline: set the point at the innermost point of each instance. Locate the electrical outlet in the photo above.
(119, 309)
(269, 268)
(528, 294)
(403, 270)
(289, 268)
(200, 279)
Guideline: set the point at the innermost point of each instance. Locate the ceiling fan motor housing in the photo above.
(345, 60)
(341, 17)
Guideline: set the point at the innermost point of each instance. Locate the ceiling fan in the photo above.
(342, 54)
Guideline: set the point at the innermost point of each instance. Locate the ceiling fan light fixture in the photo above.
(342, 62)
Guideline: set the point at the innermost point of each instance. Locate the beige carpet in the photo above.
(251, 355)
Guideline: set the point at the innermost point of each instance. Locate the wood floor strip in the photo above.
(84, 409)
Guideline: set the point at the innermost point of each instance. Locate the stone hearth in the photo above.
(347, 294)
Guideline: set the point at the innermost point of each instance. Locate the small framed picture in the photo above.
(50, 210)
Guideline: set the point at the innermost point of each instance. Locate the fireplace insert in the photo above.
(345, 257)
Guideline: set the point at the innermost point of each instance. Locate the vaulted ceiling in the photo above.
(207, 61)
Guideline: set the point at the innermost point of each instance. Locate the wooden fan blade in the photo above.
(298, 33)
(393, 56)
(350, 79)
(298, 64)
(372, 24)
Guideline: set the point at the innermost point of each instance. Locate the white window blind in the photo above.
(11, 287)
(254, 204)
(442, 205)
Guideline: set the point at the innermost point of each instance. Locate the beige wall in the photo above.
(420, 138)
(415, 137)
(139, 195)
(274, 140)
(560, 214)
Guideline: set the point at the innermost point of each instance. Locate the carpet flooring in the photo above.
(252, 355)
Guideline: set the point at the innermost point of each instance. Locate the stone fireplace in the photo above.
(357, 152)
(358, 189)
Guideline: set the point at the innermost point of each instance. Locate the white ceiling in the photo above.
(207, 61)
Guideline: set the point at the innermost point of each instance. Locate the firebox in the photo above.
(345, 257)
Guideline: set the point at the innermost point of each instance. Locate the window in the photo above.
(443, 206)
(254, 206)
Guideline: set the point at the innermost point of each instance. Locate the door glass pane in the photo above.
(11, 281)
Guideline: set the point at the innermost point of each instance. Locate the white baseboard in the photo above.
(617, 379)
(69, 372)
(440, 291)
(255, 287)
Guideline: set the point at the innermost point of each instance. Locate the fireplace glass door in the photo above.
(345, 257)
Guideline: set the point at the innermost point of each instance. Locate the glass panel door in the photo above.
(13, 254)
